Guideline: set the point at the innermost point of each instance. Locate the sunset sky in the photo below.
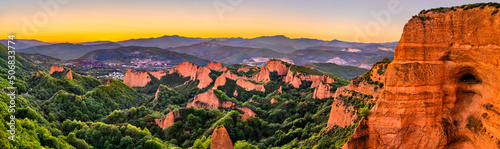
(115, 20)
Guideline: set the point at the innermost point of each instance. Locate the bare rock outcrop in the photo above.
(441, 90)
(168, 120)
(295, 79)
(278, 66)
(216, 66)
(210, 101)
(323, 91)
(136, 79)
(188, 69)
(220, 139)
(56, 68)
(262, 75)
(247, 69)
(249, 86)
(220, 81)
(341, 115)
(273, 101)
(69, 74)
(159, 74)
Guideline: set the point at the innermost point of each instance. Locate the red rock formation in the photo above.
(235, 94)
(249, 86)
(322, 91)
(69, 74)
(262, 75)
(108, 82)
(159, 74)
(168, 120)
(273, 101)
(210, 101)
(220, 139)
(216, 67)
(202, 74)
(136, 79)
(246, 69)
(247, 113)
(341, 115)
(292, 79)
(56, 68)
(185, 69)
(295, 79)
(188, 69)
(280, 90)
(220, 81)
(441, 90)
(278, 66)
(37, 74)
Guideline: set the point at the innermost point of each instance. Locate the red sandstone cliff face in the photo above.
(185, 69)
(220, 139)
(136, 79)
(210, 101)
(220, 81)
(69, 74)
(278, 66)
(202, 74)
(441, 90)
(322, 91)
(249, 86)
(216, 67)
(341, 115)
(168, 120)
(56, 68)
(159, 74)
(262, 75)
(273, 101)
(295, 79)
(247, 69)
(188, 69)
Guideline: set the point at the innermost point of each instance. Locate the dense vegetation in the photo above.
(344, 71)
(57, 112)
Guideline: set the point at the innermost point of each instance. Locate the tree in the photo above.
(244, 145)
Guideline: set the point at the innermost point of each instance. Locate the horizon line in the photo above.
(153, 37)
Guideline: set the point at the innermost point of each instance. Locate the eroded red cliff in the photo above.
(210, 101)
(168, 120)
(341, 115)
(249, 86)
(56, 68)
(278, 66)
(216, 66)
(136, 79)
(441, 90)
(220, 139)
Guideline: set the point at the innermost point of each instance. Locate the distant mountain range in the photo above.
(135, 56)
(226, 50)
(67, 51)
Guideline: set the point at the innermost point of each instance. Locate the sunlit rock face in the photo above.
(56, 68)
(220, 139)
(136, 79)
(441, 90)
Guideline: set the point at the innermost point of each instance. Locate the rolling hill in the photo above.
(67, 51)
(344, 71)
(142, 56)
